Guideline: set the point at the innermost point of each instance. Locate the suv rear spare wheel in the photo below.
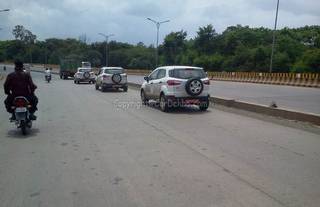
(86, 75)
(116, 78)
(194, 87)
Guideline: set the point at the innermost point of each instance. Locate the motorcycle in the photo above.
(48, 78)
(21, 108)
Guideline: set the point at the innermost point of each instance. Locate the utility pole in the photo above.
(107, 38)
(274, 37)
(158, 24)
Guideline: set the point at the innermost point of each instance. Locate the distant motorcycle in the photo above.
(48, 78)
(4, 68)
(21, 108)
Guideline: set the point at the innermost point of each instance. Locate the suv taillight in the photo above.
(173, 82)
(207, 82)
(105, 77)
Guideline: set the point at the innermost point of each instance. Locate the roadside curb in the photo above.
(261, 109)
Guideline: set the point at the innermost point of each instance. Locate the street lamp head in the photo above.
(3, 10)
(154, 21)
(165, 21)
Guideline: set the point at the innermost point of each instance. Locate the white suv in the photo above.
(177, 86)
(111, 77)
(84, 75)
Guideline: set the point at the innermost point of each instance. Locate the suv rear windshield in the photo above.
(187, 73)
(84, 70)
(113, 71)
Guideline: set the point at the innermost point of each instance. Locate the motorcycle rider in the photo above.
(19, 83)
(47, 73)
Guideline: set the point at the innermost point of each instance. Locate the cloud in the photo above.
(127, 19)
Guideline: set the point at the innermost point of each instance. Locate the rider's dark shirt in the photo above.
(19, 83)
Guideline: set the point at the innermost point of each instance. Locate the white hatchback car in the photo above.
(175, 86)
(112, 77)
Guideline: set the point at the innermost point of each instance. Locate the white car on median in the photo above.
(111, 77)
(175, 86)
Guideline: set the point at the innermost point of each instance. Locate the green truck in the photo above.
(68, 67)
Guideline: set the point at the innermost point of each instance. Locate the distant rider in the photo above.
(19, 83)
(47, 72)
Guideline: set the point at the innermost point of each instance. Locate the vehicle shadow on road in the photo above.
(16, 133)
(111, 91)
(84, 83)
(180, 110)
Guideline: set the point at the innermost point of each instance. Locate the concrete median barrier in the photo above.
(257, 108)
(262, 109)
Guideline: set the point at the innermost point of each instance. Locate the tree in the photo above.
(24, 35)
(282, 62)
(174, 44)
(211, 63)
(18, 32)
(309, 62)
(94, 57)
(238, 48)
(205, 41)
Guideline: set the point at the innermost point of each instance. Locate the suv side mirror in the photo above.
(146, 78)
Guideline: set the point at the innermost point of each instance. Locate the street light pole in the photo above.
(274, 37)
(158, 24)
(107, 38)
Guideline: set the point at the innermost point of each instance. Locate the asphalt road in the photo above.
(89, 148)
(288, 97)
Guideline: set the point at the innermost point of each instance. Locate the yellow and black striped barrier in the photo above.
(292, 79)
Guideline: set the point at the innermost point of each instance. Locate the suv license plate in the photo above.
(116, 86)
(191, 101)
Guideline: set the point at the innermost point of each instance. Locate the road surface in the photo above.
(288, 97)
(89, 148)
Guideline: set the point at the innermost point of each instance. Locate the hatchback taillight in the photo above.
(173, 82)
(206, 82)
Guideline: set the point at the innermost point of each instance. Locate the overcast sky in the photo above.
(127, 18)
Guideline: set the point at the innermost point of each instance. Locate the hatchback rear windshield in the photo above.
(187, 73)
(113, 71)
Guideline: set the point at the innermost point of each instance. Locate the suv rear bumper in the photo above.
(85, 79)
(180, 101)
(114, 85)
